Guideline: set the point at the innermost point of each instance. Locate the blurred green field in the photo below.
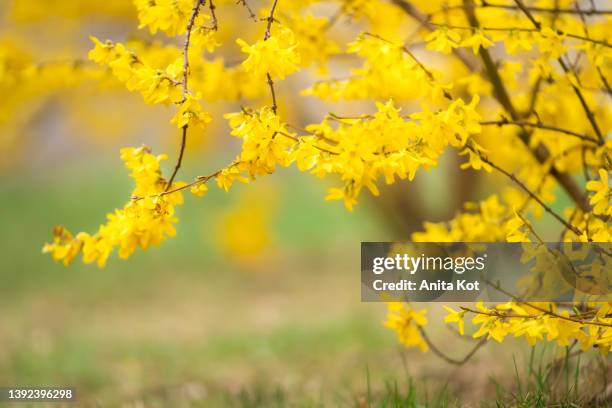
(180, 318)
(187, 325)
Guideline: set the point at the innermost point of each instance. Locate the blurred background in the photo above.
(255, 302)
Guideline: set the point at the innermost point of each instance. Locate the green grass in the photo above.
(183, 326)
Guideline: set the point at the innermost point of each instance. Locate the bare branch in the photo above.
(555, 10)
(423, 19)
(194, 14)
(534, 196)
(505, 122)
(446, 358)
(270, 20)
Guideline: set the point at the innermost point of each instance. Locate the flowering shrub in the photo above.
(520, 90)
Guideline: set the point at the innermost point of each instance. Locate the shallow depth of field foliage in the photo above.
(359, 96)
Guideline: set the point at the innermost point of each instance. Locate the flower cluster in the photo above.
(540, 321)
(276, 55)
(146, 220)
(388, 71)
(155, 85)
(168, 16)
(406, 321)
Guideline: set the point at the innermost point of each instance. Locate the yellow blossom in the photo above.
(601, 199)
(276, 55)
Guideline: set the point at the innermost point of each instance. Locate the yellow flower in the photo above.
(455, 317)
(169, 16)
(346, 194)
(199, 189)
(514, 231)
(276, 56)
(405, 320)
(146, 220)
(266, 142)
(190, 113)
(64, 247)
(443, 40)
(601, 199)
(515, 39)
(228, 175)
(550, 43)
(476, 40)
(155, 85)
(102, 53)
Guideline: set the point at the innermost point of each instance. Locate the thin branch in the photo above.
(530, 227)
(603, 42)
(585, 106)
(194, 13)
(446, 358)
(414, 58)
(198, 180)
(559, 10)
(585, 26)
(541, 153)
(297, 140)
(179, 161)
(249, 9)
(534, 196)
(272, 92)
(535, 92)
(270, 20)
(423, 19)
(571, 221)
(506, 122)
(331, 21)
(589, 114)
(605, 82)
(212, 7)
(497, 313)
(546, 311)
(530, 16)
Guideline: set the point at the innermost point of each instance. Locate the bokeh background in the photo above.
(255, 302)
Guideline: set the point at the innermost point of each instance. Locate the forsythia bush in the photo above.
(520, 89)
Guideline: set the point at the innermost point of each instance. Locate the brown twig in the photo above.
(523, 29)
(506, 122)
(179, 161)
(194, 13)
(533, 99)
(530, 227)
(198, 180)
(414, 58)
(446, 358)
(556, 10)
(541, 153)
(270, 20)
(212, 7)
(589, 114)
(604, 81)
(548, 312)
(249, 9)
(518, 182)
(272, 92)
(530, 16)
(423, 19)
(297, 140)
(496, 313)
